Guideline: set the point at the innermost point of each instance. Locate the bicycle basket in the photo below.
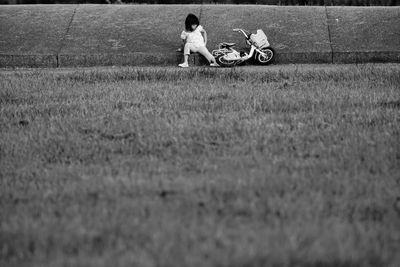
(259, 39)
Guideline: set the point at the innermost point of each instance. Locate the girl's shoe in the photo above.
(184, 65)
(214, 65)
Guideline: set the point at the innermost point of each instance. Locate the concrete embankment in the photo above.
(91, 35)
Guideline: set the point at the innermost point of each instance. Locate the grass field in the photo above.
(281, 166)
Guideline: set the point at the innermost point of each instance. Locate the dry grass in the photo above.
(277, 166)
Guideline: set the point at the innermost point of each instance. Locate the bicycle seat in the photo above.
(227, 45)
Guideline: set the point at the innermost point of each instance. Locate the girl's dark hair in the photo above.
(191, 19)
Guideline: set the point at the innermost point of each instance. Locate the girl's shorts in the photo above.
(189, 47)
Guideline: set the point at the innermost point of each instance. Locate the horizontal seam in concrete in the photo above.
(173, 53)
(119, 54)
(26, 55)
(29, 60)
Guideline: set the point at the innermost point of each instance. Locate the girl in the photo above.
(194, 42)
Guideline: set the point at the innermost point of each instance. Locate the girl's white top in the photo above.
(194, 37)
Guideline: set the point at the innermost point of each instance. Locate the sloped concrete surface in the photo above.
(361, 34)
(124, 35)
(91, 35)
(32, 35)
(298, 34)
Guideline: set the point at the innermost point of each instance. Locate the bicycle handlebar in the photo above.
(245, 33)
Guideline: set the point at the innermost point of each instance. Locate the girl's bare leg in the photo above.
(185, 59)
(204, 51)
(186, 53)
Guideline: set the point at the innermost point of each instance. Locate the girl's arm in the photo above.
(183, 37)
(204, 36)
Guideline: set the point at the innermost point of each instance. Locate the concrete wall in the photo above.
(87, 35)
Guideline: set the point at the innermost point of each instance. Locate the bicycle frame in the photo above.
(226, 55)
(247, 56)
